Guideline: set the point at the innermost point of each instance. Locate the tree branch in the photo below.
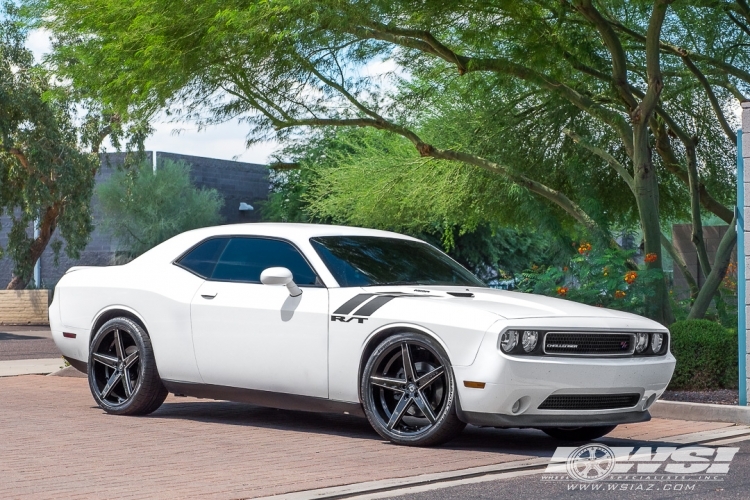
(104, 132)
(465, 64)
(681, 265)
(427, 150)
(281, 166)
(742, 8)
(731, 135)
(24, 161)
(678, 51)
(695, 208)
(669, 159)
(611, 160)
(653, 65)
(612, 41)
(713, 281)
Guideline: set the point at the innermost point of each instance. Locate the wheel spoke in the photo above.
(116, 376)
(398, 412)
(394, 384)
(409, 371)
(127, 383)
(429, 378)
(424, 406)
(110, 361)
(132, 358)
(118, 346)
(599, 468)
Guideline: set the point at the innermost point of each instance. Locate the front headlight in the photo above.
(508, 340)
(641, 342)
(657, 339)
(529, 340)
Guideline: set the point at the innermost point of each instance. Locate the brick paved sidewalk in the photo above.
(55, 443)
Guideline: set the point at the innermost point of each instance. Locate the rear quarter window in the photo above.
(202, 259)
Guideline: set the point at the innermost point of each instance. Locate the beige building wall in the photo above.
(24, 307)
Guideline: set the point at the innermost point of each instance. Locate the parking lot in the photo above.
(56, 444)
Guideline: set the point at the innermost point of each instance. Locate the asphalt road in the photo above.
(736, 485)
(26, 342)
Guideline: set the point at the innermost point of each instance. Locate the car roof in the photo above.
(298, 234)
(294, 231)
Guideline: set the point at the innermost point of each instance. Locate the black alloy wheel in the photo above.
(408, 391)
(122, 371)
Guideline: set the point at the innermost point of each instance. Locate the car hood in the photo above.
(509, 305)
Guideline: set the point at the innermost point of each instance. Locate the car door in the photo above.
(256, 336)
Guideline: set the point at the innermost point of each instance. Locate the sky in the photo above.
(225, 141)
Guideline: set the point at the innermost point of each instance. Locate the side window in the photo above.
(203, 258)
(244, 259)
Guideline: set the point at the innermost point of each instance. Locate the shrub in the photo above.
(706, 355)
(142, 209)
(596, 276)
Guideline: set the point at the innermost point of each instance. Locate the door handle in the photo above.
(209, 295)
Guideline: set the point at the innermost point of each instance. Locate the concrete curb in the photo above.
(679, 410)
(17, 367)
(353, 490)
(68, 371)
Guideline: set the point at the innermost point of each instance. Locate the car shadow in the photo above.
(14, 336)
(522, 442)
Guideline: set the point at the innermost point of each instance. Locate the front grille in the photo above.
(590, 401)
(590, 344)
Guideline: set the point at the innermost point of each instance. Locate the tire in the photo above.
(578, 433)
(396, 403)
(122, 370)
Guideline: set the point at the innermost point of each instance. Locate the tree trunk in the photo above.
(695, 208)
(47, 226)
(17, 283)
(647, 198)
(680, 263)
(721, 262)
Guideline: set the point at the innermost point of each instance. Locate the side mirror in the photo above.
(280, 276)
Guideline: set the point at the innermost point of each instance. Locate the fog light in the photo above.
(657, 339)
(641, 342)
(516, 406)
(508, 340)
(528, 340)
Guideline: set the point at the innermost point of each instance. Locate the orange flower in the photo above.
(562, 290)
(565, 269)
(651, 257)
(619, 294)
(630, 277)
(584, 248)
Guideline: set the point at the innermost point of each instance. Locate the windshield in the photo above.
(373, 261)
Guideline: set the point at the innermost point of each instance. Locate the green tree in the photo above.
(45, 177)
(142, 208)
(370, 178)
(643, 86)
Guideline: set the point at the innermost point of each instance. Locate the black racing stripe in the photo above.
(374, 305)
(350, 304)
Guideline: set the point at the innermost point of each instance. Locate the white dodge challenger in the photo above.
(340, 319)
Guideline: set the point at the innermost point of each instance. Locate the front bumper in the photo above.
(515, 387)
(578, 420)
